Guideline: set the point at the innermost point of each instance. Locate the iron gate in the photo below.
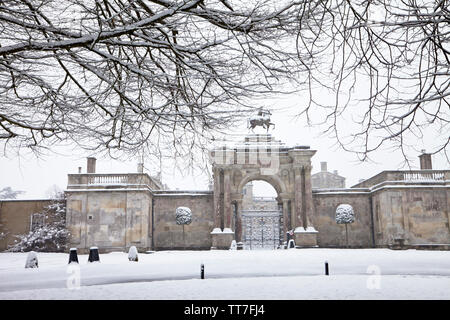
(261, 229)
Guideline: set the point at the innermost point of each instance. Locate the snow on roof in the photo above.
(31, 199)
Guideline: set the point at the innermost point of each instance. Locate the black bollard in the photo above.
(326, 269)
(73, 257)
(202, 271)
(93, 254)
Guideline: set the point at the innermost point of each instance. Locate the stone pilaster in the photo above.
(239, 221)
(309, 206)
(285, 217)
(217, 195)
(228, 210)
(298, 197)
(304, 233)
(292, 217)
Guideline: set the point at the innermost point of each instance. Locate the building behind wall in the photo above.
(251, 202)
(326, 180)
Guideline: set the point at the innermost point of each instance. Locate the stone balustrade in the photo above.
(406, 176)
(108, 181)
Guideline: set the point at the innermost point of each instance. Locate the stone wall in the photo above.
(415, 215)
(332, 234)
(15, 218)
(169, 235)
(110, 220)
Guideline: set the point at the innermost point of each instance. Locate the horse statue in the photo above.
(261, 119)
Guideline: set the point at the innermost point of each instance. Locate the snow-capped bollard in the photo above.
(327, 273)
(73, 257)
(133, 254)
(202, 271)
(93, 254)
(291, 244)
(32, 260)
(233, 245)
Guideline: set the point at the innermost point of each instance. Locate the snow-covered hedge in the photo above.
(345, 214)
(183, 215)
(51, 235)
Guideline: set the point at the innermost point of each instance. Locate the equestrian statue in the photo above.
(262, 118)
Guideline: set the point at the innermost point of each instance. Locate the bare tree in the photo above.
(8, 193)
(388, 63)
(137, 75)
(164, 75)
(54, 192)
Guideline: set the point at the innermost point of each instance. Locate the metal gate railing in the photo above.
(261, 229)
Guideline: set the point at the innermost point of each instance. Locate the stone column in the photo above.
(304, 237)
(285, 217)
(238, 230)
(91, 165)
(228, 210)
(307, 237)
(292, 219)
(217, 208)
(297, 220)
(309, 206)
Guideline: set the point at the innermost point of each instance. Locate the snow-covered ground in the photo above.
(277, 274)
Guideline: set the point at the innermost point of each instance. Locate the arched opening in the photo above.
(261, 216)
(259, 194)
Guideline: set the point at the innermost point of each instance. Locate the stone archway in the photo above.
(261, 157)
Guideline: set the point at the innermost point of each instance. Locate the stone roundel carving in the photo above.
(345, 214)
(183, 215)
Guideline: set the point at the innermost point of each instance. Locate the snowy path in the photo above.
(163, 271)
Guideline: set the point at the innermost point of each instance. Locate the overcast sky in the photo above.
(37, 176)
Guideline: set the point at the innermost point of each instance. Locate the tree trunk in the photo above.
(346, 235)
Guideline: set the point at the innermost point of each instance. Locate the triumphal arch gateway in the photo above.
(262, 157)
